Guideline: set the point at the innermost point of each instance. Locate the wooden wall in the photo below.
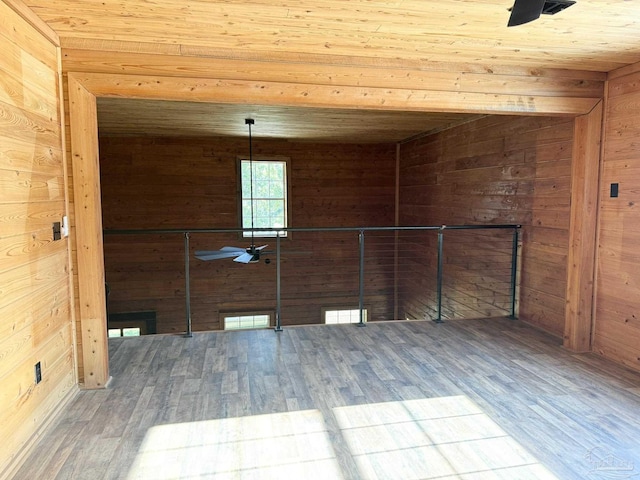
(511, 170)
(494, 170)
(35, 303)
(617, 314)
(191, 183)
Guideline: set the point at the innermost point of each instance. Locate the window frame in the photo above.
(122, 333)
(287, 180)
(245, 313)
(339, 308)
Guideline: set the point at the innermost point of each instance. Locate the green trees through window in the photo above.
(264, 205)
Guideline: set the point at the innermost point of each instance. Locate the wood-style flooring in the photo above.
(472, 399)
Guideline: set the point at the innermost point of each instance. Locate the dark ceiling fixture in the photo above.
(239, 254)
(525, 11)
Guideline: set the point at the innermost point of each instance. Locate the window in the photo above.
(241, 322)
(344, 316)
(124, 332)
(131, 324)
(269, 193)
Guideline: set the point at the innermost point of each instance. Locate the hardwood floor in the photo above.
(473, 399)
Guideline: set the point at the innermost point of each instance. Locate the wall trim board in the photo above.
(623, 71)
(585, 180)
(65, 170)
(601, 176)
(88, 229)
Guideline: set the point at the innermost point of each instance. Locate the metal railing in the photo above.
(361, 231)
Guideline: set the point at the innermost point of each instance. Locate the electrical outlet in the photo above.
(613, 191)
(57, 233)
(38, 373)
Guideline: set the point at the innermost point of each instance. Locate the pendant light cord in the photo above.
(249, 121)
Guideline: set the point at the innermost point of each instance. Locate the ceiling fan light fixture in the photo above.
(551, 7)
(239, 255)
(525, 11)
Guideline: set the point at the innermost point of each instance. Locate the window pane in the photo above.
(262, 222)
(276, 209)
(231, 323)
(261, 320)
(276, 171)
(261, 208)
(344, 316)
(261, 170)
(277, 222)
(261, 188)
(246, 214)
(131, 332)
(246, 175)
(115, 332)
(276, 190)
(246, 321)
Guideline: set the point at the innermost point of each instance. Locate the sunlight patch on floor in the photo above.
(275, 446)
(443, 438)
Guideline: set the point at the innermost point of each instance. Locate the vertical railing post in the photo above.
(514, 272)
(187, 288)
(278, 304)
(438, 318)
(361, 279)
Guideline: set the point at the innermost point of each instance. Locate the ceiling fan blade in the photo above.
(233, 249)
(525, 11)
(245, 258)
(242, 255)
(215, 254)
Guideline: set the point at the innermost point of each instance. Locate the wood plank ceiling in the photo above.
(592, 35)
(160, 118)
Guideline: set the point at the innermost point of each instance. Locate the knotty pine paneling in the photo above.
(379, 32)
(616, 332)
(513, 170)
(191, 183)
(35, 299)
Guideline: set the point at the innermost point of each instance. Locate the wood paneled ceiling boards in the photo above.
(448, 49)
(595, 35)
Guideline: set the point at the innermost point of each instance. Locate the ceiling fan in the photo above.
(242, 255)
(525, 11)
(239, 254)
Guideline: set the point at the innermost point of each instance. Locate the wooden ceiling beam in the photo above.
(328, 96)
(440, 77)
(83, 53)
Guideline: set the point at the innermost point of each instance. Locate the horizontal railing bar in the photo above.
(304, 229)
